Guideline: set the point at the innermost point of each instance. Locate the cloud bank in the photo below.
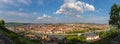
(71, 7)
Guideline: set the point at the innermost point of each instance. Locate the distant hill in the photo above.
(16, 24)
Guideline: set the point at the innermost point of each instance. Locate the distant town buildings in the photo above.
(91, 37)
(31, 31)
(58, 29)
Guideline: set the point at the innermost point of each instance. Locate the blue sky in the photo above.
(56, 11)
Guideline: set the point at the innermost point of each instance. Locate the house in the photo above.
(91, 37)
(79, 34)
(30, 36)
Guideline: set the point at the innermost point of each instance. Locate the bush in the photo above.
(76, 38)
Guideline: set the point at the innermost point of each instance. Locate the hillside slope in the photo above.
(11, 36)
(5, 40)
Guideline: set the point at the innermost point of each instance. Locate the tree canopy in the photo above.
(114, 15)
(2, 22)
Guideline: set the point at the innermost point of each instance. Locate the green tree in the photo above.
(114, 15)
(76, 38)
(2, 23)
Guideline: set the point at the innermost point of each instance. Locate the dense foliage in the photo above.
(2, 23)
(115, 16)
(76, 38)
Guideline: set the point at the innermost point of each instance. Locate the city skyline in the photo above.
(56, 11)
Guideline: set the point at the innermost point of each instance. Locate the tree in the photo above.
(2, 23)
(119, 19)
(114, 15)
(76, 38)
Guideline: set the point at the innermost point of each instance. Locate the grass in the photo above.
(18, 39)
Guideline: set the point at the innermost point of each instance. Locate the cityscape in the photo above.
(59, 21)
(58, 32)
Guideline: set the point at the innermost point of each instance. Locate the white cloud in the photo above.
(27, 2)
(44, 17)
(69, 1)
(90, 7)
(35, 13)
(78, 16)
(15, 13)
(8, 2)
(14, 2)
(72, 7)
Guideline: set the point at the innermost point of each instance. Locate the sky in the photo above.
(56, 11)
